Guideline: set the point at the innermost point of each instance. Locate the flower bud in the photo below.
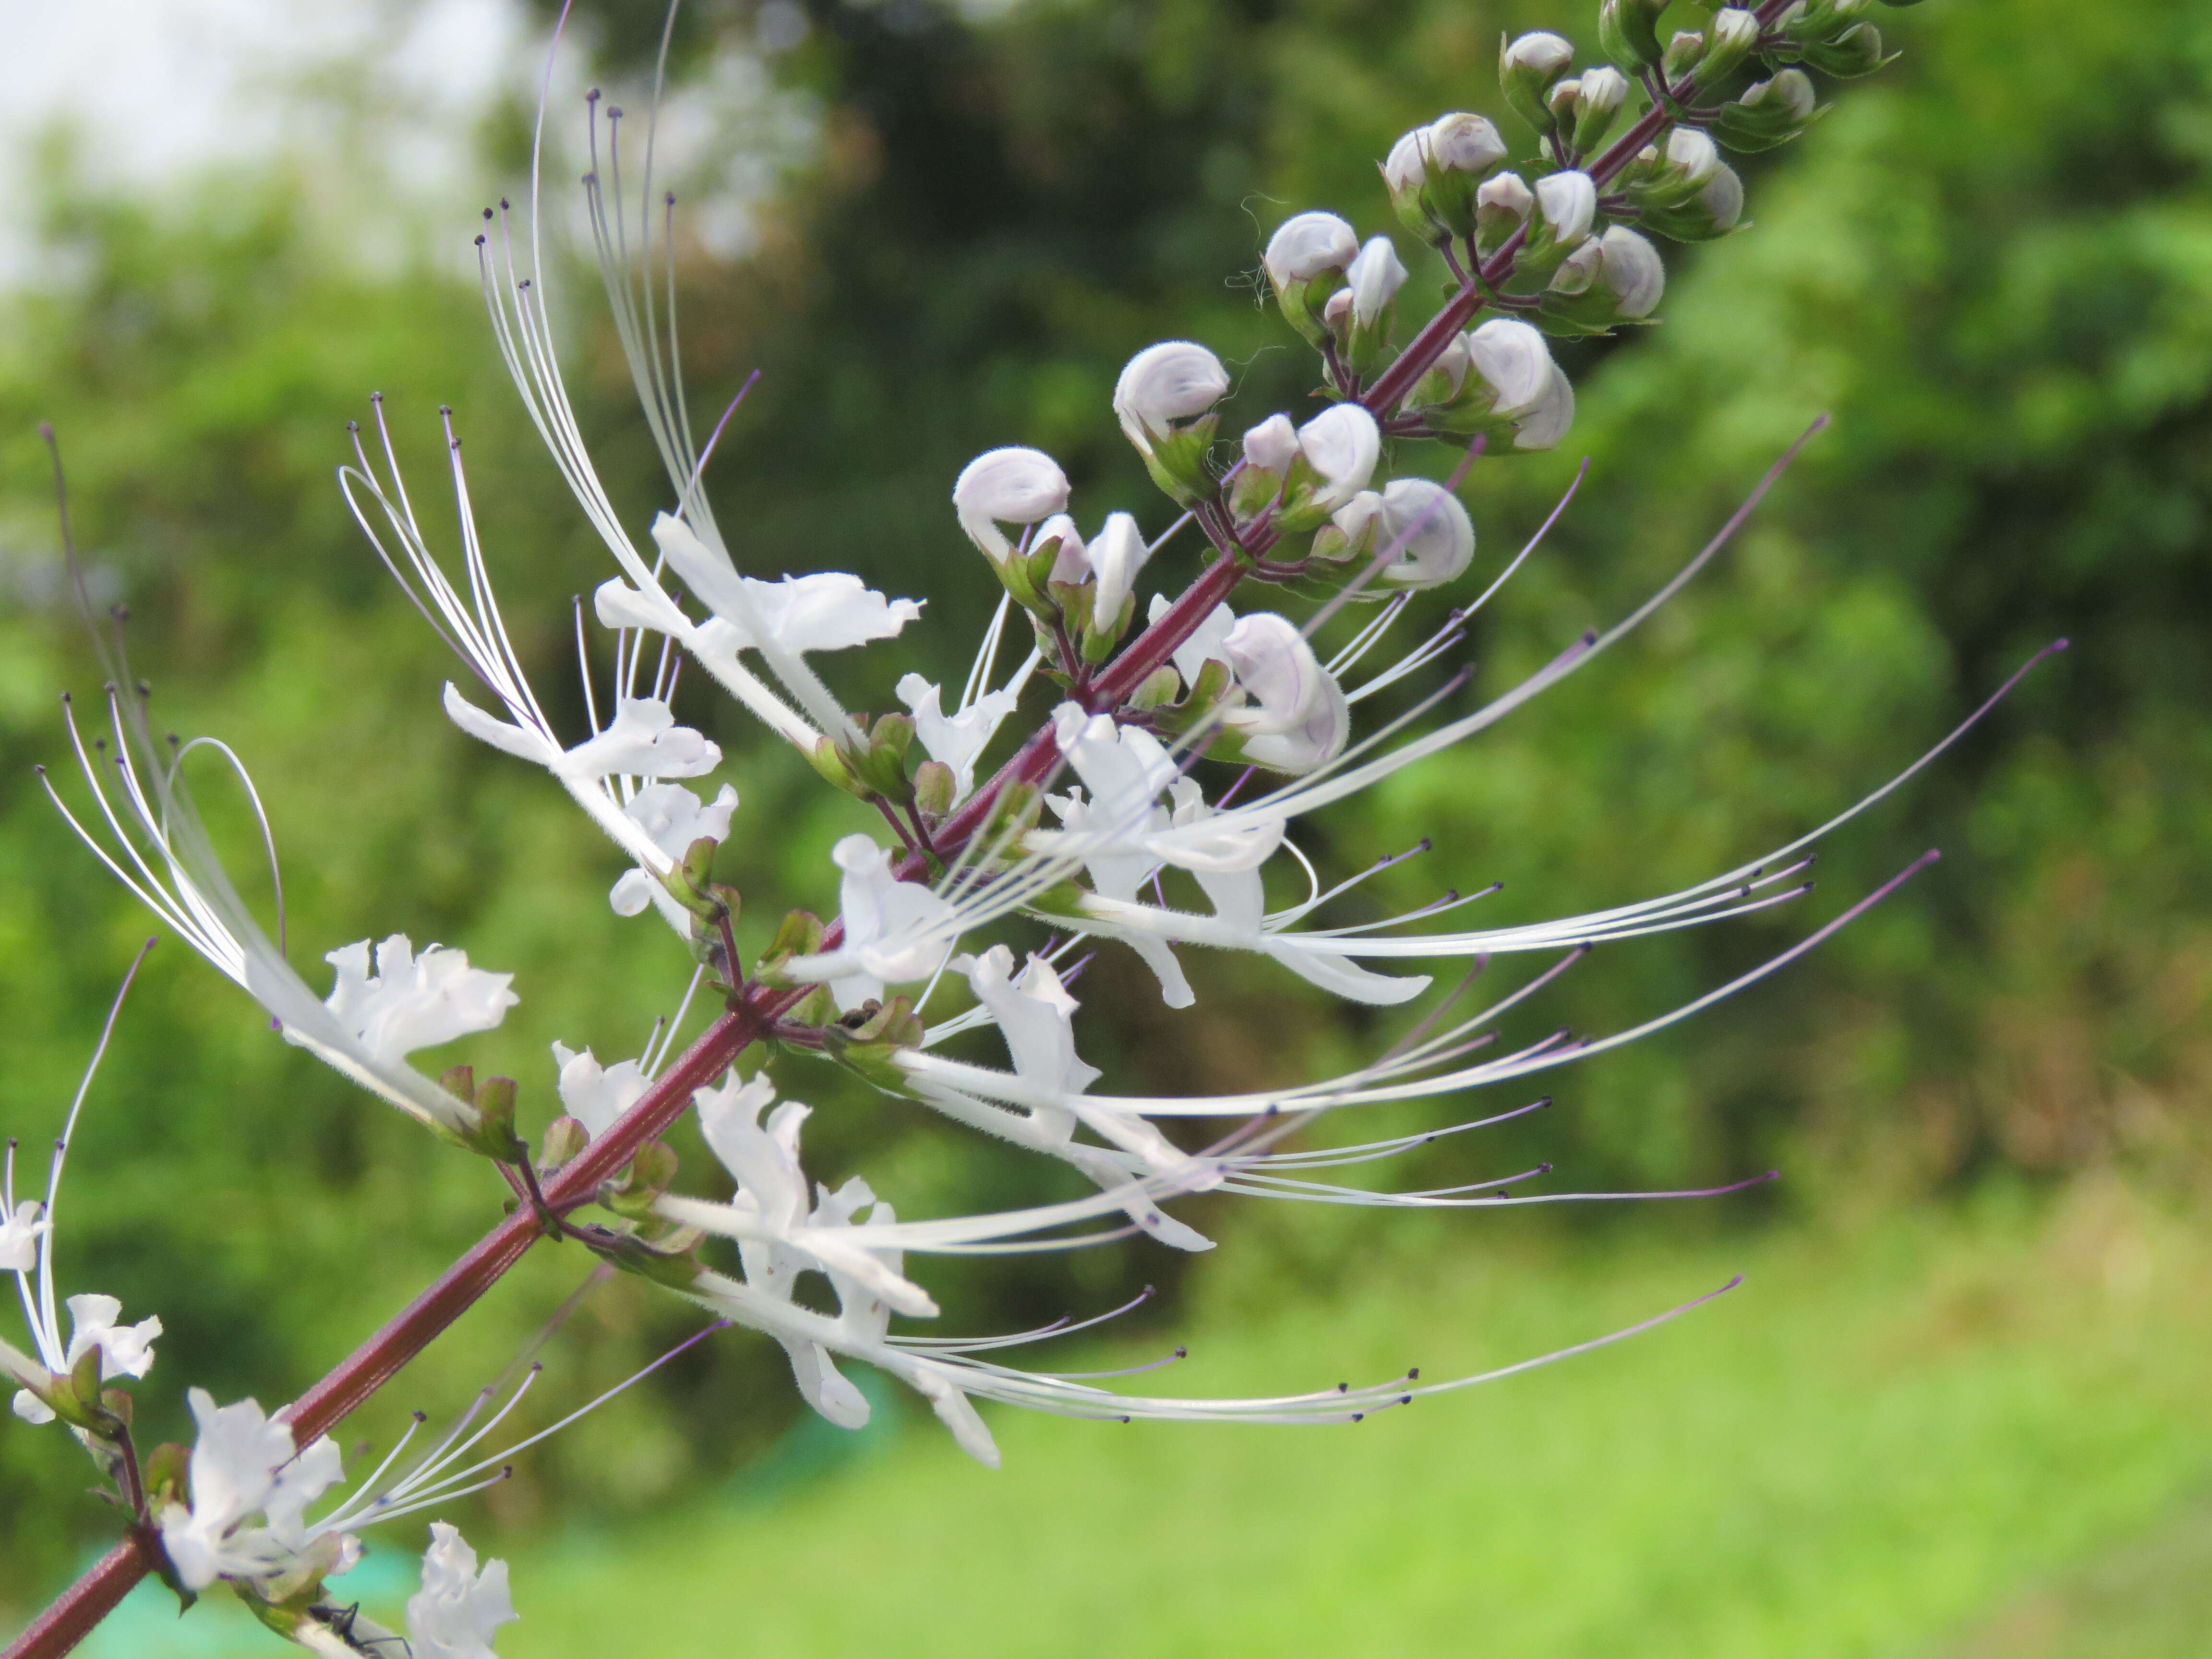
(1527, 70)
(1422, 524)
(1670, 175)
(1298, 718)
(1501, 382)
(1712, 212)
(1305, 261)
(1856, 51)
(1610, 280)
(1372, 283)
(1628, 30)
(1174, 381)
(1058, 540)
(1009, 486)
(1769, 113)
(1337, 452)
(1566, 205)
(1117, 553)
(1432, 172)
(1599, 95)
(1269, 449)
(1684, 50)
(1734, 33)
(1501, 206)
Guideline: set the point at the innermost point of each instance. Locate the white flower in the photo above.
(1125, 770)
(1174, 381)
(1117, 553)
(1427, 523)
(1008, 486)
(672, 817)
(1307, 245)
(1033, 1013)
(456, 1612)
(1272, 445)
(596, 1095)
(1302, 719)
(412, 1002)
(20, 1230)
(1625, 266)
(643, 741)
(895, 931)
(1205, 640)
(125, 1350)
(1568, 201)
(1342, 444)
(959, 739)
(234, 1465)
(1374, 280)
(827, 611)
(778, 1238)
(1734, 29)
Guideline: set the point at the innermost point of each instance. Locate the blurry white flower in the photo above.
(412, 1002)
(959, 739)
(20, 1230)
(241, 1463)
(1272, 445)
(896, 930)
(672, 817)
(596, 1095)
(1205, 640)
(456, 1612)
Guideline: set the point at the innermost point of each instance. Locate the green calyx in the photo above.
(493, 1134)
(867, 1039)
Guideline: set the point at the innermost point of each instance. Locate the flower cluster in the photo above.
(1187, 748)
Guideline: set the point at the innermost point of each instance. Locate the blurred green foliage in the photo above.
(1989, 265)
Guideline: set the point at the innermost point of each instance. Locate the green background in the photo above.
(1959, 1401)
